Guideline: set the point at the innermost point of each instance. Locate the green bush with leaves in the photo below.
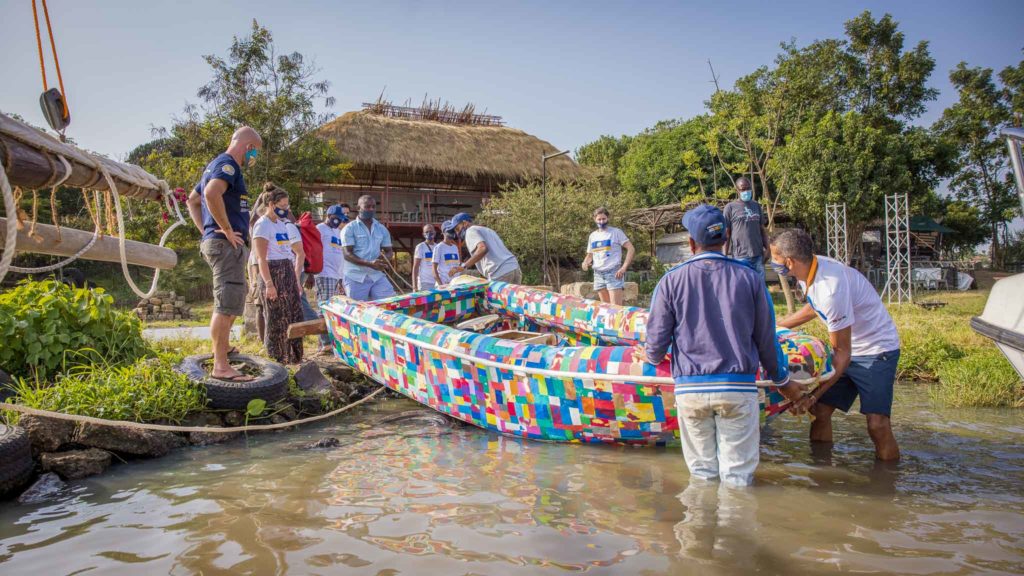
(46, 327)
(145, 391)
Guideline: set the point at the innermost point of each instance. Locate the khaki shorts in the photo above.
(513, 277)
(228, 265)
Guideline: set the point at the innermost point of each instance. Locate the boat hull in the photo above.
(567, 393)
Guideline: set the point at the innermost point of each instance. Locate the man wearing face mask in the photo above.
(487, 252)
(328, 281)
(749, 237)
(422, 261)
(865, 344)
(219, 207)
(363, 241)
(604, 252)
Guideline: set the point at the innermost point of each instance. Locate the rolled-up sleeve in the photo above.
(661, 321)
(768, 349)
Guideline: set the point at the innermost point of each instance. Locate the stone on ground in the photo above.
(47, 434)
(47, 487)
(132, 441)
(76, 464)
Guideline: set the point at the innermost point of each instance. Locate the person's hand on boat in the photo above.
(234, 237)
(271, 291)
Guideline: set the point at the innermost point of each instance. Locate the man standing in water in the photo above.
(604, 252)
(748, 238)
(363, 242)
(486, 251)
(865, 344)
(219, 207)
(716, 316)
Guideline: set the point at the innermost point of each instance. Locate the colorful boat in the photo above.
(528, 362)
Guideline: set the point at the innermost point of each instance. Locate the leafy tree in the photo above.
(971, 126)
(605, 153)
(516, 215)
(969, 229)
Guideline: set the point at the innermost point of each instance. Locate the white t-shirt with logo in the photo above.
(605, 248)
(279, 235)
(498, 261)
(334, 259)
(446, 257)
(843, 297)
(425, 252)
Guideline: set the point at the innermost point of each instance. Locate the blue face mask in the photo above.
(602, 225)
(780, 269)
(250, 156)
(746, 195)
(281, 212)
(367, 214)
(429, 236)
(334, 222)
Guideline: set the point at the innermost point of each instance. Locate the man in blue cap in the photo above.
(328, 281)
(486, 250)
(716, 317)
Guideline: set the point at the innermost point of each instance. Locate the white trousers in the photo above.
(721, 435)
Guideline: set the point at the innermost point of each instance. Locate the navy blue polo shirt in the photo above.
(236, 197)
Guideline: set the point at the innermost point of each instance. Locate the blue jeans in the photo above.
(608, 281)
(755, 262)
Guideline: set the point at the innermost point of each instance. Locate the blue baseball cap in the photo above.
(460, 218)
(338, 212)
(706, 225)
(447, 225)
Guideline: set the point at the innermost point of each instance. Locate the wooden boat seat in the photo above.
(479, 324)
(527, 337)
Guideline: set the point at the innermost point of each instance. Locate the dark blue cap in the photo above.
(447, 226)
(460, 218)
(706, 225)
(338, 212)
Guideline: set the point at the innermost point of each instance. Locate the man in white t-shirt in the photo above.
(447, 255)
(328, 281)
(604, 253)
(865, 344)
(487, 252)
(423, 261)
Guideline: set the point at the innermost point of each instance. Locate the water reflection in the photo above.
(417, 499)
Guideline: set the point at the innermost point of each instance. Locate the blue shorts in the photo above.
(368, 289)
(870, 377)
(608, 281)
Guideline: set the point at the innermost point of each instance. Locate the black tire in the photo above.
(271, 385)
(15, 459)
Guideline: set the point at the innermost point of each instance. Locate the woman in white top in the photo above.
(446, 256)
(280, 257)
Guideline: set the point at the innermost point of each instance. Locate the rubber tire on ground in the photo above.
(15, 459)
(271, 385)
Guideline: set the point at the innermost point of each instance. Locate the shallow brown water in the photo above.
(412, 498)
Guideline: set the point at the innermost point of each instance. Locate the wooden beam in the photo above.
(30, 161)
(105, 249)
(307, 328)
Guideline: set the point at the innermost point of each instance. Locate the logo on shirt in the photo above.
(228, 169)
(428, 255)
(336, 242)
(282, 239)
(601, 245)
(451, 256)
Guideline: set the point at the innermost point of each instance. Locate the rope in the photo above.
(168, 428)
(56, 61)
(39, 44)
(92, 241)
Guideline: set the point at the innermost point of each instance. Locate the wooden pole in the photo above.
(307, 328)
(106, 248)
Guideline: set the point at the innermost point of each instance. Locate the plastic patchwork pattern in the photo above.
(527, 390)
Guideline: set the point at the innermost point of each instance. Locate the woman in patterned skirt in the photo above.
(279, 256)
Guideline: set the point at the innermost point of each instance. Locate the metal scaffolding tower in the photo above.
(898, 287)
(835, 230)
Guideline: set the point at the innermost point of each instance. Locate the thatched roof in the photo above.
(402, 148)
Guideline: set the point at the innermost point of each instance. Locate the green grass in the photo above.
(146, 391)
(938, 346)
(200, 317)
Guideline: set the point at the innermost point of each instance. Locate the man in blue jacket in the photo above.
(716, 316)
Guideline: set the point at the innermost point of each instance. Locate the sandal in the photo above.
(238, 378)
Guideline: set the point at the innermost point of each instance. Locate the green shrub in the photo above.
(148, 390)
(982, 379)
(48, 326)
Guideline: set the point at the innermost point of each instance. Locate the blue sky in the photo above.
(565, 71)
